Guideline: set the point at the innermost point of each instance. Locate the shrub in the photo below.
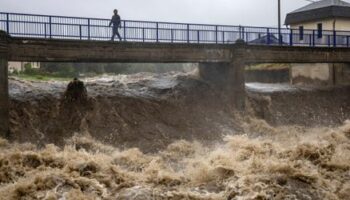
(29, 70)
(15, 72)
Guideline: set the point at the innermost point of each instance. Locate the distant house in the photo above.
(320, 20)
(323, 16)
(20, 66)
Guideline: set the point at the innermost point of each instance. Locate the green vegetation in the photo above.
(40, 77)
(30, 73)
(268, 66)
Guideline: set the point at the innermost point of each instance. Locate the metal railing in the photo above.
(79, 28)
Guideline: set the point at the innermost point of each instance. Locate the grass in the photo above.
(268, 67)
(36, 77)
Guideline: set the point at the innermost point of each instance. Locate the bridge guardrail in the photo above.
(79, 28)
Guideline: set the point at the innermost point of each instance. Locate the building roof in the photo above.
(263, 40)
(319, 10)
(322, 4)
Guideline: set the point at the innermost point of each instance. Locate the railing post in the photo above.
(268, 36)
(198, 36)
(88, 29)
(124, 27)
(157, 34)
(335, 38)
(172, 35)
(143, 34)
(313, 38)
(223, 37)
(291, 37)
(310, 40)
(347, 41)
(188, 33)
(329, 40)
(240, 32)
(216, 34)
(80, 34)
(243, 33)
(50, 26)
(45, 32)
(8, 23)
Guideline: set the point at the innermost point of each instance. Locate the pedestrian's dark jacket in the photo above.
(115, 21)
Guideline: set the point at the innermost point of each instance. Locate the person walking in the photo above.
(116, 22)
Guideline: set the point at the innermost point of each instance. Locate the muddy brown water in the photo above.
(172, 136)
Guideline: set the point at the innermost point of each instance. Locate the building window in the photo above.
(319, 30)
(301, 33)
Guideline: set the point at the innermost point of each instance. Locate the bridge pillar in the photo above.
(228, 78)
(4, 94)
(341, 73)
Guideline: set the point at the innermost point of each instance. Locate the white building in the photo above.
(19, 66)
(321, 19)
(321, 16)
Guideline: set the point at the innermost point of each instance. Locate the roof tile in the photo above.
(322, 4)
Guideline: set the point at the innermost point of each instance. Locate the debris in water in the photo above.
(76, 91)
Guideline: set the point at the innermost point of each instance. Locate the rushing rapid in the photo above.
(283, 164)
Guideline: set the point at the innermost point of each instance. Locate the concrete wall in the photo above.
(39, 50)
(320, 74)
(312, 74)
(342, 74)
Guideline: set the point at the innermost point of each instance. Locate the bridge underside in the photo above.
(223, 65)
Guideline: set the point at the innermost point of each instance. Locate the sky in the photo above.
(227, 12)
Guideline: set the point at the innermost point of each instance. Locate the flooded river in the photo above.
(173, 136)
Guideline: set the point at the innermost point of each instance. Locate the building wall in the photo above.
(340, 24)
(327, 24)
(327, 27)
(15, 66)
(19, 66)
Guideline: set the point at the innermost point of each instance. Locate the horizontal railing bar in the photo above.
(83, 25)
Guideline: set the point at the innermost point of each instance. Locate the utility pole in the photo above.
(279, 23)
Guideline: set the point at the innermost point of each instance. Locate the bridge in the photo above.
(80, 28)
(221, 51)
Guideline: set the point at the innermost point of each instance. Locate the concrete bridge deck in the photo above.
(49, 50)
